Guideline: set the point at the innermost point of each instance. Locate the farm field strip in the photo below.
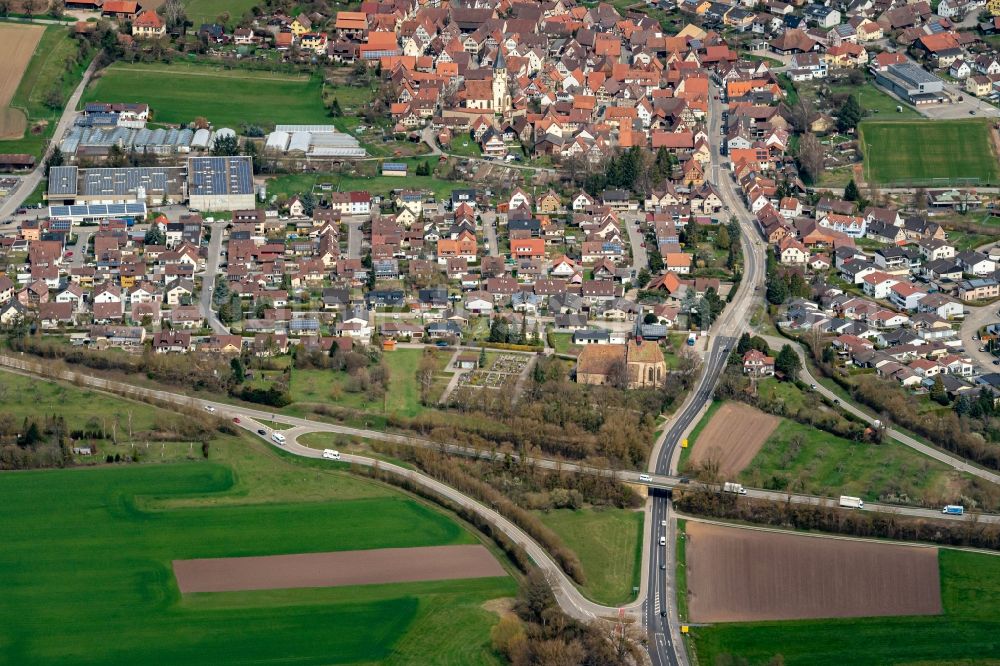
(352, 567)
(738, 575)
(17, 45)
(732, 438)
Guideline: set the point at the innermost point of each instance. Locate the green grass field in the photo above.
(208, 11)
(967, 633)
(41, 76)
(291, 184)
(608, 543)
(824, 464)
(402, 398)
(181, 92)
(920, 150)
(88, 551)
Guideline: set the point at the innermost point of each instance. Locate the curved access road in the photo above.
(937, 454)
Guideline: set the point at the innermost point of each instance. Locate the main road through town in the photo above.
(659, 608)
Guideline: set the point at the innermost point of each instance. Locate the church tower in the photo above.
(501, 98)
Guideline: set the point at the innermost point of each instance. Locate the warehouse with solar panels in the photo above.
(151, 185)
(319, 141)
(220, 183)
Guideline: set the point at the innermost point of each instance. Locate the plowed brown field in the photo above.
(352, 567)
(17, 44)
(732, 438)
(741, 575)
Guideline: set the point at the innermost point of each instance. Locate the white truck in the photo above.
(731, 487)
(849, 502)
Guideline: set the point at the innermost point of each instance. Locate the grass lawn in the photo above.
(403, 397)
(681, 574)
(181, 92)
(206, 11)
(828, 465)
(291, 184)
(563, 343)
(41, 76)
(914, 151)
(609, 545)
(968, 632)
(771, 388)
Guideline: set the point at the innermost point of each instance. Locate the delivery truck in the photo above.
(731, 487)
(953, 510)
(849, 502)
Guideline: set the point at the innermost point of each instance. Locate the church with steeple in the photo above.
(501, 96)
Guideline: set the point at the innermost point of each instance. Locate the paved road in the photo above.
(79, 250)
(355, 235)
(937, 454)
(31, 181)
(662, 623)
(490, 231)
(209, 277)
(640, 258)
(975, 320)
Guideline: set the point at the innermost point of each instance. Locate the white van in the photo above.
(663, 541)
(331, 454)
(645, 478)
(278, 438)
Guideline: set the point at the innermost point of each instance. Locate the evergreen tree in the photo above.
(239, 372)
(722, 239)
(787, 362)
(482, 357)
(851, 192)
(937, 393)
(849, 114)
(777, 291)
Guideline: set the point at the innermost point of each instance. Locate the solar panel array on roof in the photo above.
(212, 176)
(62, 181)
(126, 180)
(97, 210)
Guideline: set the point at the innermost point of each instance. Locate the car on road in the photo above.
(663, 541)
(209, 408)
(21, 211)
(69, 254)
(996, 362)
(836, 401)
(236, 419)
(972, 112)
(685, 479)
(645, 478)
(261, 431)
(330, 454)
(663, 565)
(812, 386)
(982, 349)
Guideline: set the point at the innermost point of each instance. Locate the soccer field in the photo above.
(179, 93)
(919, 151)
(87, 579)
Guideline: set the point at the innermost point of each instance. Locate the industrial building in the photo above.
(96, 142)
(312, 141)
(220, 183)
(151, 185)
(96, 213)
(912, 83)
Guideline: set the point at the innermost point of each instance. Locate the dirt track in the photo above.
(732, 438)
(740, 575)
(353, 567)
